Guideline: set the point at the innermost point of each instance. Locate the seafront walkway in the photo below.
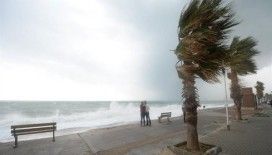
(247, 137)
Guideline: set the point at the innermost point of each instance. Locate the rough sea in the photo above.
(77, 116)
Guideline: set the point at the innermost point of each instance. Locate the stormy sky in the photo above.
(109, 50)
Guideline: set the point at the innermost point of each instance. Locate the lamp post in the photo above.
(226, 98)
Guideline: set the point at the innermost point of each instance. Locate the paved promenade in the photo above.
(248, 137)
(253, 136)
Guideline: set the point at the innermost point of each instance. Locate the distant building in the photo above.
(248, 100)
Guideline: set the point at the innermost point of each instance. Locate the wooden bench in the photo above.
(165, 114)
(17, 130)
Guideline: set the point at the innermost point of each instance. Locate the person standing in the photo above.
(147, 108)
(142, 113)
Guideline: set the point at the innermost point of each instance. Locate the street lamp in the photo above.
(226, 98)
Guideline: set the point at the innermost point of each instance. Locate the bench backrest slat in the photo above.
(33, 125)
(166, 114)
(34, 132)
(32, 129)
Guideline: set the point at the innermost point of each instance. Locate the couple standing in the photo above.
(144, 108)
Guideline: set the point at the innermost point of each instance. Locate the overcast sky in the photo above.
(108, 50)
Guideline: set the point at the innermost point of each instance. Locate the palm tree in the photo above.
(240, 62)
(203, 27)
(259, 89)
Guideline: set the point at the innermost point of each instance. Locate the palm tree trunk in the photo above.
(192, 135)
(236, 94)
(238, 112)
(191, 104)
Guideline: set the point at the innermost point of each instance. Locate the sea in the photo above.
(78, 116)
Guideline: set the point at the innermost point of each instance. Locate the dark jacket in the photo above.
(142, 108)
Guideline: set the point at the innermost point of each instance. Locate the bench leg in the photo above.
(16, 142)
(53, 135)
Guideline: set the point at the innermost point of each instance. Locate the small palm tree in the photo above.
(203, 27)
(241, 53)
(259, 89)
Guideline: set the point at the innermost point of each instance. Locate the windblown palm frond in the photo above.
(241, 53)
(203, 27)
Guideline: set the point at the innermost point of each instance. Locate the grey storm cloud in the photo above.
(154, 23)
(158, 23)
(256, 21)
